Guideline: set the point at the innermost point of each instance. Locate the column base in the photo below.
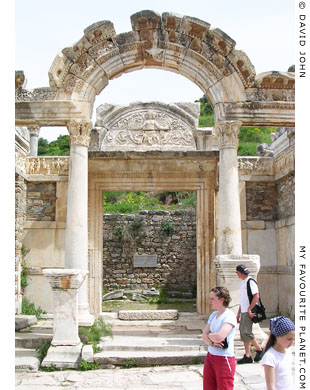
(85, 318)
(63, 356)
(226, 274)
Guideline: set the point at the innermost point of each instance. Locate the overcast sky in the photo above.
(263, 29)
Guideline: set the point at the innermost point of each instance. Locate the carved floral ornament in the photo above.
(79, 132)
(227, 134)
(34, 130)
(149, 120)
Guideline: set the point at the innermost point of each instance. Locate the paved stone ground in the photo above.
(147, 378)
(186, 377)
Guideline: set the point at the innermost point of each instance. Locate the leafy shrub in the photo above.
(92, 335)
(167, 227)
(42, 349)
(85, 366)
(29, 308)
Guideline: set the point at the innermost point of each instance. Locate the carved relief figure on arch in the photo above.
(245, 205)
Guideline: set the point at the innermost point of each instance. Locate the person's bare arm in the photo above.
(255, 299)
(205, 335)
(270, 377)
(219, 336)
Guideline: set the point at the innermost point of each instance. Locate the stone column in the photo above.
(76, 240)
(229, 221)
(66, 346)
(34, 132)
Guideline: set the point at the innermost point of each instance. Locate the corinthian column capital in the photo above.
(79, 131)
(227, 133)
(34, 130)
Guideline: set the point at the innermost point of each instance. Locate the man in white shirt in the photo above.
(244, 316)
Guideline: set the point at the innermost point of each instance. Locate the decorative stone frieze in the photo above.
(227, 134)
(38, 94)
(285, 159)
(47, 165)
(79, 132)
(148, 126)
(255, 166)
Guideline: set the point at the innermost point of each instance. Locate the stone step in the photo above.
(151, 358)
(170, 343)
(23, 321)
(31, 340)
(26, 360)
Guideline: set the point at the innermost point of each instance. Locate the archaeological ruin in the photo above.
(244, 205)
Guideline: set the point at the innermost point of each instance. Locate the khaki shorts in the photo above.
(245, 327)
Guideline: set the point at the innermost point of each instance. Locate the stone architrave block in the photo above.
(132, 315)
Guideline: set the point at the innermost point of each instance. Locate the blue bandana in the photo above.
(279, 326)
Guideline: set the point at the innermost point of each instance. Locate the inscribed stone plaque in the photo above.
(145, 260)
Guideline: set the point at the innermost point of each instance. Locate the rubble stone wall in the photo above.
(286, 196)
(41, 201)
(127, 235)
(20, 217)
(261, 201)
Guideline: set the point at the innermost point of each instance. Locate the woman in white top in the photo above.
(220, 363)
(277, 359)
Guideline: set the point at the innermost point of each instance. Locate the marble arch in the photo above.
(171, 42)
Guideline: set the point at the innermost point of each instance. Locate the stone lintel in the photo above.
(147, 315)
(154, 154)
(258, 113)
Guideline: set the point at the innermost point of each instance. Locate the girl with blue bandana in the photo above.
(277, 359)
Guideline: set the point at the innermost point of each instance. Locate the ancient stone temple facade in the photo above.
(245, 205)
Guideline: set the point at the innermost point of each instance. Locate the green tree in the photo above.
(59, 147)
(42, 146)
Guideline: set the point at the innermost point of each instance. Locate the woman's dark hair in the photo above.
(222, 292)
(270, 342)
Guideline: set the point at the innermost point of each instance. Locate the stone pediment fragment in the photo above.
(147, 126)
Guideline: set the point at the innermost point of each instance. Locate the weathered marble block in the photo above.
(66, 345)
(227, 277)
(148, 315)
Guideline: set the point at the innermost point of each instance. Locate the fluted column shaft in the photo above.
(76, 241)
(229, 222)
(34, 132)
